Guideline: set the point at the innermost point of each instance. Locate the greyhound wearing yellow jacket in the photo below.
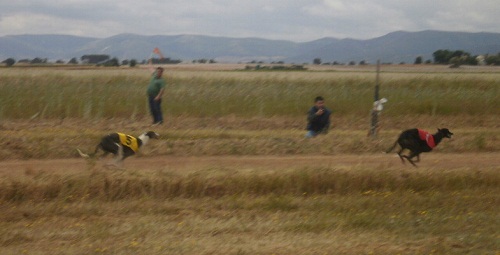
(121, 145)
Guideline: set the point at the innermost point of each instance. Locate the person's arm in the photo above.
(327, 125)
(150, 66)
(311, 115)
(160, 94)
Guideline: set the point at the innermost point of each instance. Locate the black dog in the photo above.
(121, 145)
(418, 141)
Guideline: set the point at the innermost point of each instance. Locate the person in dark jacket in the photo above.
(318, 118)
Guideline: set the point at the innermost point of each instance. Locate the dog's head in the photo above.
(153, 134)
(446, 132)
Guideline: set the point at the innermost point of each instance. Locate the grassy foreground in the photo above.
(279, 211)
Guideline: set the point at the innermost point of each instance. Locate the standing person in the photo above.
(318, 118)
(155, 92)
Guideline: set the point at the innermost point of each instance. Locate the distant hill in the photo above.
(402, 46)
(394, 47)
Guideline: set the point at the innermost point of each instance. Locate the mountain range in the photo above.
(395, 47)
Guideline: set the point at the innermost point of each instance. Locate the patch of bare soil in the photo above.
(438, 161)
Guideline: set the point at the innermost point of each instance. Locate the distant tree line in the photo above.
(204, 61)
(275, 68)
(493, 59)
(159, 61)
(460, 57)
(318, 61)
(441, 57)
(92, 59)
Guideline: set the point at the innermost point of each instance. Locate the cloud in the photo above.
(302, 20)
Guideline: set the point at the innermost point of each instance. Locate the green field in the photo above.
(232, 172)
(96, 93)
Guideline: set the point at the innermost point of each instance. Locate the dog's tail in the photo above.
(392, 147)
(83, 155)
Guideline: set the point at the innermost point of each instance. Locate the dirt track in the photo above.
(189, 164)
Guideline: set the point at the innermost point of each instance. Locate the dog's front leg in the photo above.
(418, 158)
(401, 156)
(119, 157)
(117, 162)
(409, 158)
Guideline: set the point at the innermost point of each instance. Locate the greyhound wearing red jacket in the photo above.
(418, 141)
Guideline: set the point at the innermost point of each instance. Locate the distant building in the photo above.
(481, 60)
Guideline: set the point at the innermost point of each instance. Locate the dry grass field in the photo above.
(248, 183)
(338, 204)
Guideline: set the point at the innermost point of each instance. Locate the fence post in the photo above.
(375, 111)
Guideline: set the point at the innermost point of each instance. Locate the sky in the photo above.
(293, 20)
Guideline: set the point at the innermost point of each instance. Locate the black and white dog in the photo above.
(121, 145)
